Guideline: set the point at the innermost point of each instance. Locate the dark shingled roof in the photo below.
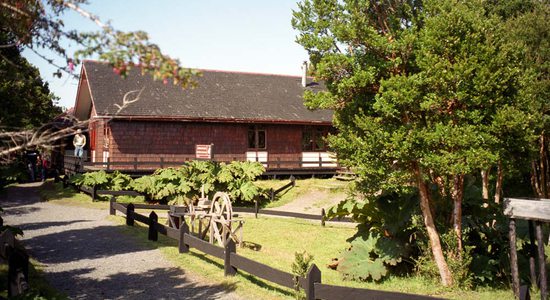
(228, 96)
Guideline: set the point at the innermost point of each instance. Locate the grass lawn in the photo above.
(326, 190)
(273, 241)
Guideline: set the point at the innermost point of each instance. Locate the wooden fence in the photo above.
(256, 210)
(141, 165)
(233, 262)
(18, 263)
(536, 212)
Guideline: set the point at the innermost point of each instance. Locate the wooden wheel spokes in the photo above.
(220, 220)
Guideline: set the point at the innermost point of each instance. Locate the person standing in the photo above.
(79, 141)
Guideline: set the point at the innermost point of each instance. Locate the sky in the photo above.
(239, 35)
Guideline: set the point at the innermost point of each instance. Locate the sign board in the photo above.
(203, 151)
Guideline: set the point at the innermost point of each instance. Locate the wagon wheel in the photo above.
(220, 218)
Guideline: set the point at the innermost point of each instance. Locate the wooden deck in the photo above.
(143, 167)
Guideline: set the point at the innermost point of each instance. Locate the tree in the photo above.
(25, 99)
(422, 92)
(529, 26)
(38, 25)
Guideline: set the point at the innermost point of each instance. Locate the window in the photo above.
(256, 137)
(313, 138)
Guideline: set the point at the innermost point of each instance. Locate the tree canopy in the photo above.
(425, 93)
(25, 99)
(38, 24)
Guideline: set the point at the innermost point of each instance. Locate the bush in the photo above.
(186, 183)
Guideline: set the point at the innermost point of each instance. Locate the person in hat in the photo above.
(79, 141)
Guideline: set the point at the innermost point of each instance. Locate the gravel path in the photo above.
(88, 257)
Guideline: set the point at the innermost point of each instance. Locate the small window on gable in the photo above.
(256, 137)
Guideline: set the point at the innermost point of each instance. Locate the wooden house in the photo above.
(228, 116)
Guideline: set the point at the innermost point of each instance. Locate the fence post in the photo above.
(18, 271)
(514, 257)
(271, 194)
(112, 210)
(229, 248)
(135, 163)
(524, 292)
(184, 229)
(313, 276)
(153, 233)
(161, 162)
(532, 254)
(542, 261)
(130, 215)
(256, 208)
(108, 164)
(323, 216)
(94, 193)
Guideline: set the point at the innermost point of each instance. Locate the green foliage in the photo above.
(459, 263)
(300, 266)
(424, 92)
(369, 257)
(164, 185)
(238, 177)
(102, 180)
(119, 181)
(384, 237)
(15, 171)
(184, 184)
(25, 99)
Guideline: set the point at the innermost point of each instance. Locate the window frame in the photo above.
(256, 129)
(317, 136)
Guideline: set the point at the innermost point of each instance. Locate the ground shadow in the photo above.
(20, 195)
(158, 283)
(86, 243)
(42, 225)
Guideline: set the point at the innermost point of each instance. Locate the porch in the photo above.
(305, 163)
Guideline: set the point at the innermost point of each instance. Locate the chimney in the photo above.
(304, 74)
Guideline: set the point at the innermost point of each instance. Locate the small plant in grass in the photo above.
(300, 266)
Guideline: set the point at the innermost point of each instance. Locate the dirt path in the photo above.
(312, 202)
(87, 256)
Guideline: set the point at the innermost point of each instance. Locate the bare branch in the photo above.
(87, 15)
(126, 101)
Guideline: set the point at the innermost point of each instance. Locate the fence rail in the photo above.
(275, 166)
(253, 210)
(234, 262)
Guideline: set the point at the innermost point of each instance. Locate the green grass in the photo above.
(54, 192)
(329, 187)
(273, 241)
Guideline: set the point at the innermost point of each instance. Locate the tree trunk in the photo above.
(485, 184)
(535, 179)
(498, 188)
(457, 195)
(435, 242)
